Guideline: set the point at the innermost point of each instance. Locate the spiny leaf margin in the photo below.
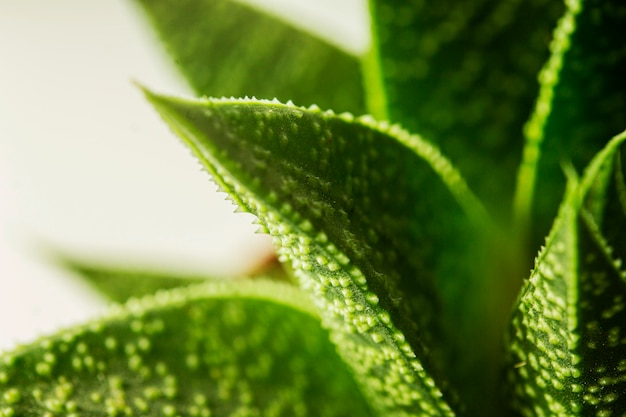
(361, 326)
(560, 362)
(211, 349)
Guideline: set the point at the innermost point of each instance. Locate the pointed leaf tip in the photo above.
(566, 325)
(368, 215)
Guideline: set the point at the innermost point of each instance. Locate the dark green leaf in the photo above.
(217, 349)
(225, 48)
(371, 218)
(567, 349)
(610, 213)
(463, 74)
(581, 103)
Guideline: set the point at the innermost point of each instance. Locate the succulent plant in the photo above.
(405, 235)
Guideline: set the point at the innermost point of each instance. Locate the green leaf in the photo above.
(372, 219)
(610, 211)
(224, 48)
(119, 284)
(567, 354)
(217, 349)
(581, 103)
(463, 74)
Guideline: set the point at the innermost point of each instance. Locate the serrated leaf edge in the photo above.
(260, 289)
(450, 176)
(534, 129)
(372, 320)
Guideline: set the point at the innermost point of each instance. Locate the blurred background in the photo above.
(87, 168)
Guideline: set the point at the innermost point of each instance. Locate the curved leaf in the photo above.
(371, 218)
(463, 74)
(225, 48)
(567, 349)
(581, 103)
(253, 349)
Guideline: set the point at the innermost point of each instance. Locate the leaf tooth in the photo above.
(238, 208)
(347, 116)
(372, 298)
(383, 125)
(618, 263)
(320, 270)
(368, 120)
(261, 230)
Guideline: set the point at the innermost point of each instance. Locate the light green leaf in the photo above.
(225, 48)
(118, 283)
(217, 349)
(567, 355)
(372, 219)
(581, 103)
(463, 74)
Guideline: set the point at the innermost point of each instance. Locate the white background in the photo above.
(87, 167)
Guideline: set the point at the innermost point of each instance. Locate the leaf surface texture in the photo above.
(463, 74)
(567, 348)
(216, 349)
(344, 199)
(581, 103)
